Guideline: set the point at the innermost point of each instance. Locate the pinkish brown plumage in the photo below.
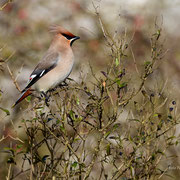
(55, 66)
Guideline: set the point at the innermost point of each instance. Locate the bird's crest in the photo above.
(60, 30)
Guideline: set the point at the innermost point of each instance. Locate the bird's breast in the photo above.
(56, 75)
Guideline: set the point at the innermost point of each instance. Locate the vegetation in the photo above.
(117, 125)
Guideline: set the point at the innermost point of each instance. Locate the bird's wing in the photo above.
(48, 63)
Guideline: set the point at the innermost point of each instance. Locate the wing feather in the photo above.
(48, 62)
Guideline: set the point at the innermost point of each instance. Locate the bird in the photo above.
(55, 66)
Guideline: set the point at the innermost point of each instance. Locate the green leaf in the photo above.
(153, 156)
(172, 137)
(137, 120)
(58, 121)
(107, 134)
(6, 111)
(117, 62)
(39, 108)
(8, 149)
(156, 115)
(28, 99)
(71, 113)
(118, 81)
(132, 171)
(76, 139)
(62, 128)
(123, 84)
(80, 118)
(147, 63)
(77, 101)
(74, 164)
(82, 165)
(19, 146)
(108, 149)
(160, 152)
(116, 126)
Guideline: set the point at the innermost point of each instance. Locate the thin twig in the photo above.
(9, 172)
(4, 5)
(134, 59)
(14, 79)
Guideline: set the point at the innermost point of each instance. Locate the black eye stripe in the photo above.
(67, 36)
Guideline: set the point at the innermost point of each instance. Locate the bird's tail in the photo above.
(24, 94)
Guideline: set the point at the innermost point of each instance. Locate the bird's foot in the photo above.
(43, 94)
(63, 84)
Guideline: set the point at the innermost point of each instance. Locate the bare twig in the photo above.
(4, 5)
(14, 79)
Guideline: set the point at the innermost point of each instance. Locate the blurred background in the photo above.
(24, 38)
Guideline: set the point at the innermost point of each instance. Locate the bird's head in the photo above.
(58, 30)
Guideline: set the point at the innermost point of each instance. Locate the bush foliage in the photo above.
(116, 126)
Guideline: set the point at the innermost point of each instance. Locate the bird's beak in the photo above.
(76, 38)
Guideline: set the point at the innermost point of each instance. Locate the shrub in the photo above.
(117, 126)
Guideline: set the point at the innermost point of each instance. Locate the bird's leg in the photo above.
(46, 97)
(64, 83)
